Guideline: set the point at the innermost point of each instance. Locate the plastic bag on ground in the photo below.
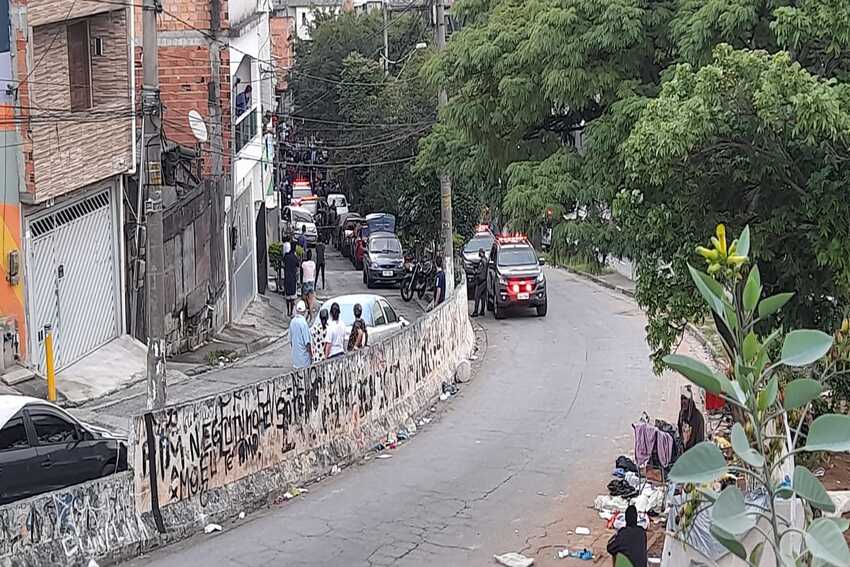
(513, 560)
(210, 528)
(605, 503)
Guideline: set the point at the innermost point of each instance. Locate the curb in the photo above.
(599, 281)
(248, 348)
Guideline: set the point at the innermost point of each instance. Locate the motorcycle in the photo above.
(418, 277)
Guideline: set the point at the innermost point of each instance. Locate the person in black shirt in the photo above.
(480, 283)
(630, 540)
(320, 264)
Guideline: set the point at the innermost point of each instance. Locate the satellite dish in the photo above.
(198, 126)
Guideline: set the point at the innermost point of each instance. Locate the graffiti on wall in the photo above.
(208, 443)
(72, 525)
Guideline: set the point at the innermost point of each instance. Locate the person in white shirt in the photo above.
(336, 336)
(308, 274)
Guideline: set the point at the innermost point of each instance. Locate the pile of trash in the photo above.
(628, 487)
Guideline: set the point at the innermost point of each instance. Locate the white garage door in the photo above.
(71, 279)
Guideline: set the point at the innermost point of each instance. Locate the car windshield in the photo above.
(484, 241)
(516, 256)
(301, 216)
(385, 245)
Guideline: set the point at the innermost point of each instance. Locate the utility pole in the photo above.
(384, 7)
(155, 260)
(445, 180)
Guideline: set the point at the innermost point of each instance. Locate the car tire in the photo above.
(498, 313)
(542, 309)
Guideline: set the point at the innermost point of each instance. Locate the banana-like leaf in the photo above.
(804, 346)
(701, 463)
(742, 448)
(809, 487)
(826, 543)
(799, 392)
(829, 432)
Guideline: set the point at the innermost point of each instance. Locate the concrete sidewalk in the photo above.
(192, 377)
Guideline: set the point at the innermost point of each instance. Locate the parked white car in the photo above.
(380, 317)
(338, 202)
(293, 218)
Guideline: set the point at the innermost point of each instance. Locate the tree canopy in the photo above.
(644, 123)
(362, 115)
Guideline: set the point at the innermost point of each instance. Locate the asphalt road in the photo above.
(510, 464)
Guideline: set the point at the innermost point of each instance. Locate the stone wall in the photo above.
(220, 455)
(69, 527)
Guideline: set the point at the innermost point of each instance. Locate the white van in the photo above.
(338, 202)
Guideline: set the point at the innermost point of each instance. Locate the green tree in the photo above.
(758, 140)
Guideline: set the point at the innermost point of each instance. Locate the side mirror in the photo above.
(404, 322)
(542, 261)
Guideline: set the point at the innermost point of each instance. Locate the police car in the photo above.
(515, 276)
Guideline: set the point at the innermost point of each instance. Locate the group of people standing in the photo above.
(301, 269)
(315, 340)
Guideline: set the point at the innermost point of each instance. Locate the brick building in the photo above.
(68, 122)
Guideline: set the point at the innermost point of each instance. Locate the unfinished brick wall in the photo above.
(282, 31)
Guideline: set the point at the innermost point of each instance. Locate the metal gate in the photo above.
(71, 279)
(242, 254)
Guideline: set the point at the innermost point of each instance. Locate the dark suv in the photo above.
(515, 277)
(383, 260)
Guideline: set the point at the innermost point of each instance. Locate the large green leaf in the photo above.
(809, 487)
(709, 288)
(742, 448)
(695, 371)
(829, 432)
(755, 554)
(701, 463)
(752, 347)
(743, 247)
(826, 542)
(752, 289)
(729, 513)
(801, 391)
(772, 304)
(728, 541)
(804, 346)
(767, 396)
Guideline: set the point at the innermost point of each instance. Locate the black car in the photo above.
(515, 277)
(42, 448)
(483, 240)
(383, 260)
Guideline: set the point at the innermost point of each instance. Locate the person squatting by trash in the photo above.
(629, 540)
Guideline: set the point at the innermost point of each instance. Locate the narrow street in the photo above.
(510, 464)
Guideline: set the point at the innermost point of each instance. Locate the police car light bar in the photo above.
(513, 238)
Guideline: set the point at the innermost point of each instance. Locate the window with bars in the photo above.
(246, 129)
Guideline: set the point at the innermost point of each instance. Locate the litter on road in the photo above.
(513, 560)
(210, 528)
